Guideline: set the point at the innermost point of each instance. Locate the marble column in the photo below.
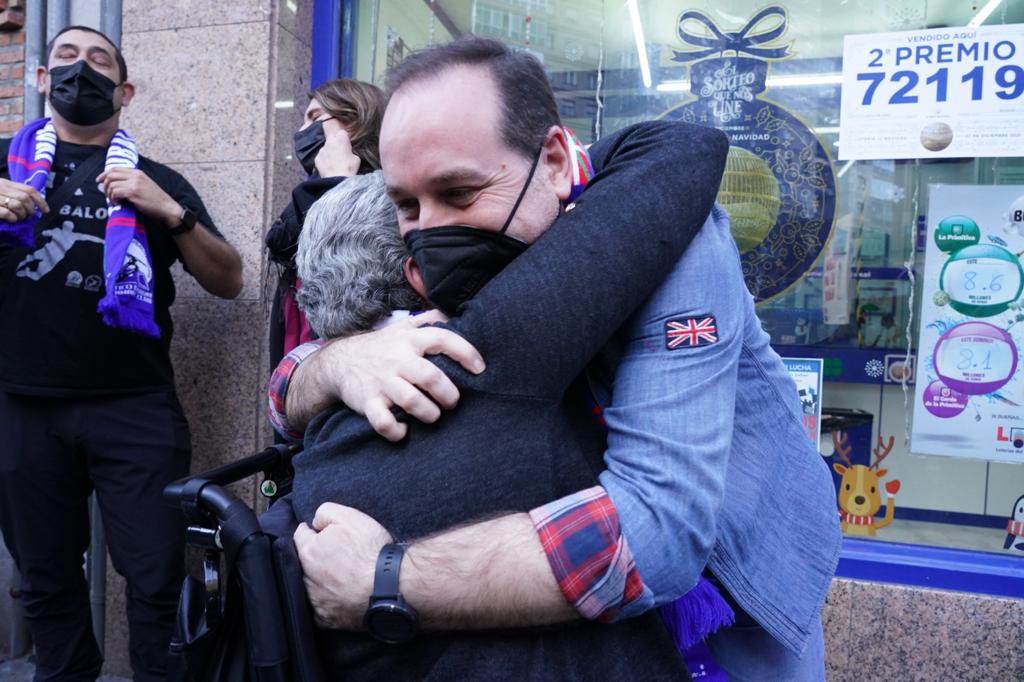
(220, 90)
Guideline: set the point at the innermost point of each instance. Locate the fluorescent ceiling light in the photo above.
(810, 79)
(673, 86)
(641, 46)
(774, 82)
(981, 16)
(284, 104)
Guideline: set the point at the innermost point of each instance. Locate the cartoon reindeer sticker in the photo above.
(859, 495)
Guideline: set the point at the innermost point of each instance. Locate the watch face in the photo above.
(391, 623)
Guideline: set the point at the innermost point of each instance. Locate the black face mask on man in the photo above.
(308, 143)
(81, 95)
(458, 260)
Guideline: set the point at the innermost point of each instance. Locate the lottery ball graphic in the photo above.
(955, 232)
(982, 280)
(750, 194)
(936, 136)
(942, 401)
(975, 358)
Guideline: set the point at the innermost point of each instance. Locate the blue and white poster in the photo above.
(969, 398)
(807, 375)
(935, 93)
(779, 185)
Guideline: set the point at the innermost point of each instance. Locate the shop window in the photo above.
(834, 251)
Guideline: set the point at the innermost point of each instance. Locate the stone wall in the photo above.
(876, 631)
(220, 90)
(12, 79)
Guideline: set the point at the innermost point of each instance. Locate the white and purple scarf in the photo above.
(127, 266)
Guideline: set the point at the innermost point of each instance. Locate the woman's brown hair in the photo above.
(359, 107)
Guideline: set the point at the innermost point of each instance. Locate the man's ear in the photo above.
(42, 77)
(414, 276)
(556, 163)
(129, 93)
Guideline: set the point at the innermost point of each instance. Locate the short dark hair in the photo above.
(118, 57)
(527, 100)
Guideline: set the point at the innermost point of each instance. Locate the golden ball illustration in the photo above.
(750, 193)
(936, 136)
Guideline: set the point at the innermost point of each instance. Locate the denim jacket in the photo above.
(708, 463)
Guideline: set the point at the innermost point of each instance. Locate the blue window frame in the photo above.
(934, 567)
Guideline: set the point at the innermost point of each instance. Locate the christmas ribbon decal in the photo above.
(737, 41)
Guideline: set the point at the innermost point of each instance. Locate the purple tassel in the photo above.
(119, 316)
(700, 612)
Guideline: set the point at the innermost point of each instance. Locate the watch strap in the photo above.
(385, 579)
(187, 223)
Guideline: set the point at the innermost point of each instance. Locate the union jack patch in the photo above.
(690, 332)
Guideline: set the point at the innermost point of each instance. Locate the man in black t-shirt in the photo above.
(86, 406)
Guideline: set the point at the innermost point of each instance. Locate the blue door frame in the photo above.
(334, 30)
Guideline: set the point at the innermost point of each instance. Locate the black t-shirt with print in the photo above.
(52, 340)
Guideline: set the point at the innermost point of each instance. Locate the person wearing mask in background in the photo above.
(89, 230)
(338, 139)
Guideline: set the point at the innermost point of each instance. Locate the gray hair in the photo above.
(350, 259)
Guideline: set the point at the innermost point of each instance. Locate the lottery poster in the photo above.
(969, 398)
(940, 92)
(807, 374)
(780, 183)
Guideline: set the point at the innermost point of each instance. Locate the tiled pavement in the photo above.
(21, 670)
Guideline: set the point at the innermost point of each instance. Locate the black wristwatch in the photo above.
(389, 618)
(187, 223)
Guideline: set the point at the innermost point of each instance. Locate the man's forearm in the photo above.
(214, 263)
(310, 390)
(491, 574)
(562, 561)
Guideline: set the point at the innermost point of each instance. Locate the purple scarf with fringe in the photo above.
(127, 266)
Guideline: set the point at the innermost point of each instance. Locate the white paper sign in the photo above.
(943, 92)
(969, 399)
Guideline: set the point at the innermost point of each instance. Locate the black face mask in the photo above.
(458, 260)
(308, 143)
(81, 95)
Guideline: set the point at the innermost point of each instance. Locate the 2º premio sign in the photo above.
(947, 92)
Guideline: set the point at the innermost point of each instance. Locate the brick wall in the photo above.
(12, 78)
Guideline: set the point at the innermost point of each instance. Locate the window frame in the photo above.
(334, 28)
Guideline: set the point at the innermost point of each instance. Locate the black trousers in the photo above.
(53, 454)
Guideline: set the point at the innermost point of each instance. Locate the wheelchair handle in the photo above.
(271, 458)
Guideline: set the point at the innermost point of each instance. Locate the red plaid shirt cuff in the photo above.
(277, 390)
(588, 555)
